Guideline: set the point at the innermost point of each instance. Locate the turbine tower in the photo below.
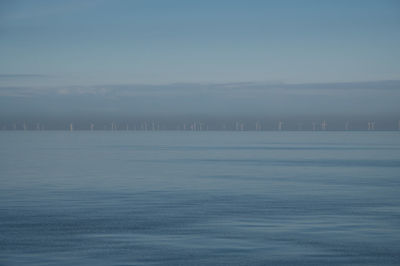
(113, 126)
(280, 125)
(258, 126)
(371, 125)
(324, 125)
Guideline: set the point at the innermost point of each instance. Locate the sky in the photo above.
(200, 56)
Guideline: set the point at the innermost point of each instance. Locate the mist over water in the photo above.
(199, 198)
(214, 106)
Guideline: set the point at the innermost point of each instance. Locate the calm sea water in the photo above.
(199, 198)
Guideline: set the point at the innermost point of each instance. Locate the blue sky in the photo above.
(214, 57)
(153, 42)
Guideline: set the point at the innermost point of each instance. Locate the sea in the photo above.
(199, 198)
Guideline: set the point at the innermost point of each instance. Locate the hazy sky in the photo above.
(145, 41)
(94, 47)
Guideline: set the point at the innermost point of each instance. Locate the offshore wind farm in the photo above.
(209, 124)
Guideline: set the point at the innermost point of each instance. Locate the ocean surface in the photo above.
(199, 198)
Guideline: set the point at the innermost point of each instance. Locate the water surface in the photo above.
(199, 198)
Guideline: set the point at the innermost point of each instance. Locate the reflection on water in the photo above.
(198, 198)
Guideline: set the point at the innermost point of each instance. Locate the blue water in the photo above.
(199, 198)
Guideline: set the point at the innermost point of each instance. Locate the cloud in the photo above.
(245, 89)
